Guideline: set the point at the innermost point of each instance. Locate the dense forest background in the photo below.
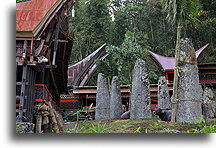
(131, 27)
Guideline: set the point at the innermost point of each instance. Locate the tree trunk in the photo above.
(176, 75)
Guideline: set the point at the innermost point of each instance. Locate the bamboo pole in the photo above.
(176, 76)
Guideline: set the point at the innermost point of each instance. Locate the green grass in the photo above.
(138, 126)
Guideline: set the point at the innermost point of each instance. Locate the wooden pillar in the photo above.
(28, 94)
(23, 85)
(31, 99)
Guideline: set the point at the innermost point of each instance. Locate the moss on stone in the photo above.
(192, 52)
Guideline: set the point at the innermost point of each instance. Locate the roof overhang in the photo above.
(24, 34)
(168, 63)
(31, 21)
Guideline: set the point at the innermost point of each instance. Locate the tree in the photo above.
(90, 28)
(178, 13)
(122, 58)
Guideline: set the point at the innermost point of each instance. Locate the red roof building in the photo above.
(167, 65)
(43, 50)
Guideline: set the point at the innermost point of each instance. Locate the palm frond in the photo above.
(178, 11)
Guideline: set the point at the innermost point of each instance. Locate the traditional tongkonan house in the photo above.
(207, 73)
(43, 49)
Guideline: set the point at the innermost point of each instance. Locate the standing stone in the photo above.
(102, 98)
(115, 99)
(140, 93)
(164, 101)
(209, 103)
(189, 90)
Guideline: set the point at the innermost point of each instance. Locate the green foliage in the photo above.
(78, 128)
(138, 130)
(122, 59)
(18, 128)
(201, 120)
(206, 129)
(148, 25)
(90, 27)
(84, 127)
(155, 124)
(21, 1)
(181, 11)
(167, 130)
(99, 128)
(87, 110)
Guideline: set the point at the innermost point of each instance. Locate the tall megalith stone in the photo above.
(102, 98)
(208, 103)
(164, 100)
(115, 99)
(140, 93)
(189, 98)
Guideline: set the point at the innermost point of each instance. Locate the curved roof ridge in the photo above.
(168, 63)
(198, 52)
(88, 57)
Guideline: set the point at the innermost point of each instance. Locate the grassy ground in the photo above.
(138, 126)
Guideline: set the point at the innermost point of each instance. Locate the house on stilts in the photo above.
(43, 49)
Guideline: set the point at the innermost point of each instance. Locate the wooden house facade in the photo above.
(43, 49)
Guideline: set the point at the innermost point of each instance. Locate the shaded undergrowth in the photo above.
(138, 126)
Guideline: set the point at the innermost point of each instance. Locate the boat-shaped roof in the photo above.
(168, 63)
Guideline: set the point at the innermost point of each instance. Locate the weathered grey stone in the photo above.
(189, 90)
(115, 99)
(140, 93)
(25, 127)
(164, 101)
(102, 98)
(209, 103)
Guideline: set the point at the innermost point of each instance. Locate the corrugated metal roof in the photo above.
(168, 63)
(30, 13)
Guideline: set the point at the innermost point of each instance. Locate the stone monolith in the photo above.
(189, 98)
(115, 99)
(102, 98)
(140, 92)
(209, 103)
(164, 100)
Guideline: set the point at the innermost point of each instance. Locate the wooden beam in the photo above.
(56, 39)
(61, 41)
(39, 49)
(21, 83)
(47, 66)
